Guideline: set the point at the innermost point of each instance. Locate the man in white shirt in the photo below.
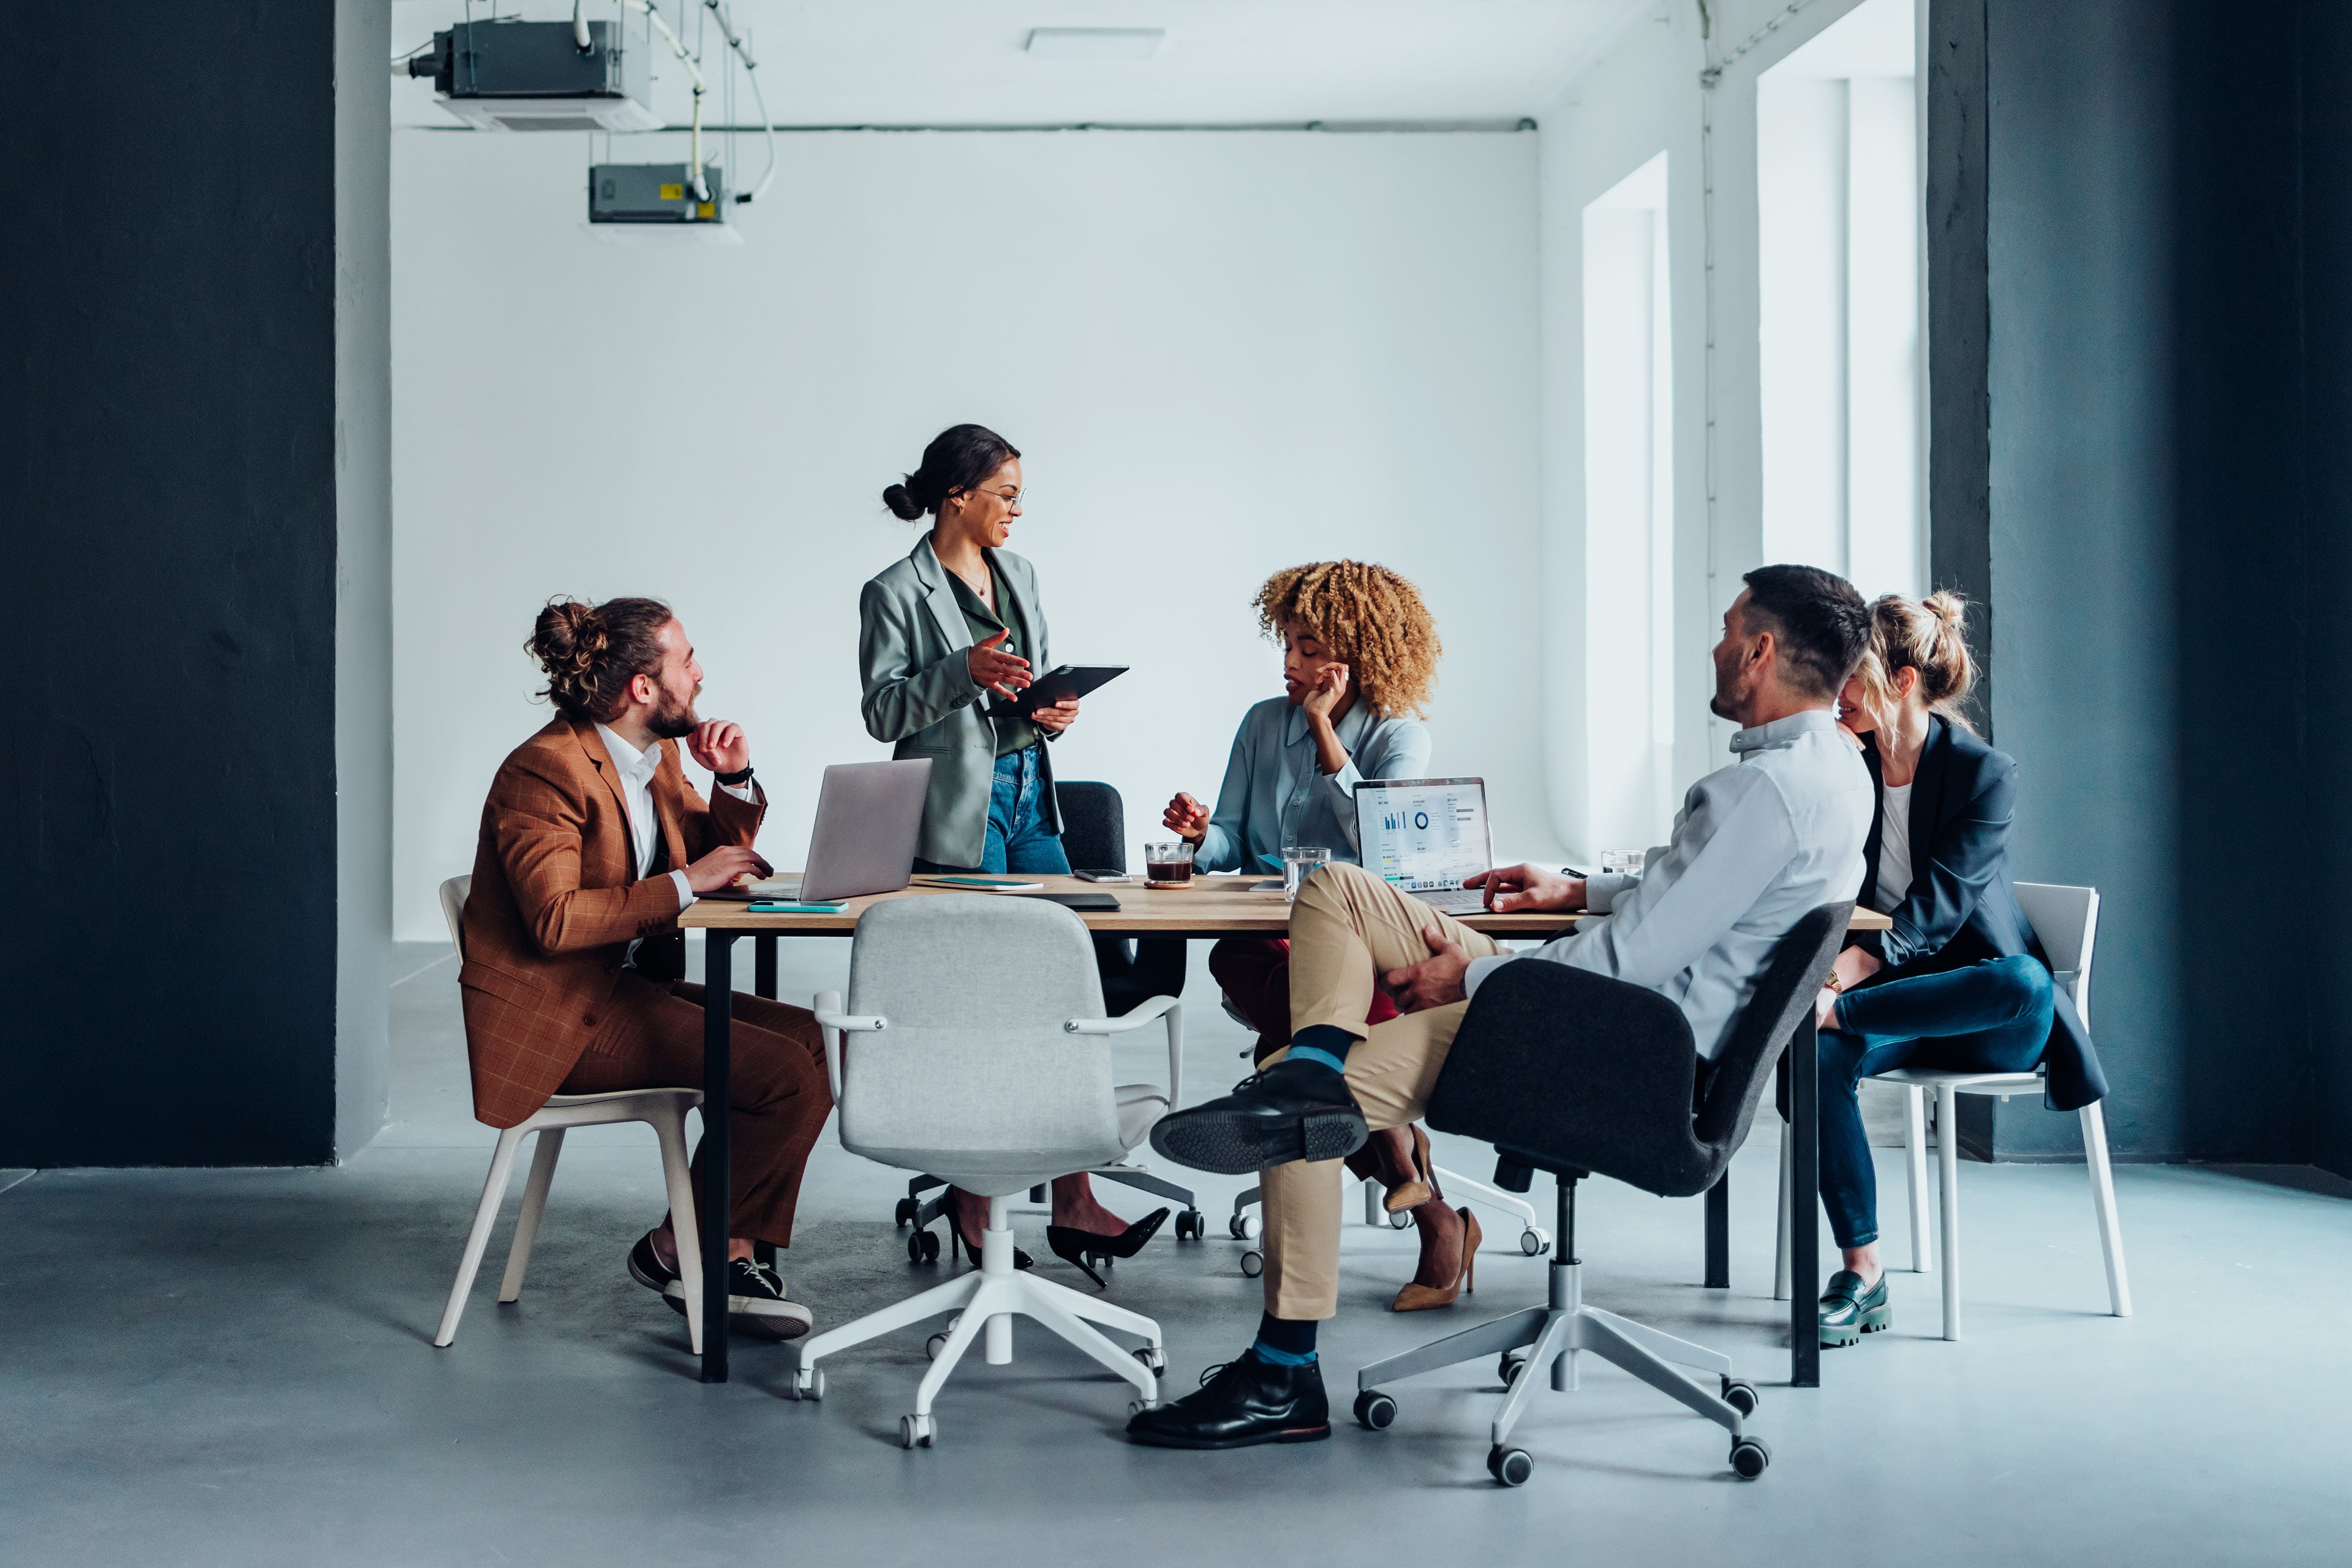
(1757, 845)
(592, 843)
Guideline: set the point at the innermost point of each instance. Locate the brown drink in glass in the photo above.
(1168, 866)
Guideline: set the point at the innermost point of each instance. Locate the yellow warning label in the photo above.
(673, 192)
(704, 209)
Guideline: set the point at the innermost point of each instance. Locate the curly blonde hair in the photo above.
(1366, 615)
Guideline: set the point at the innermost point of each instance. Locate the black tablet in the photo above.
(1064, 680)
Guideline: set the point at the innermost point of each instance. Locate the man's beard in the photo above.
(673, 720)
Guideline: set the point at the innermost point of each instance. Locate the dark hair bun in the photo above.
(901, 503)
(569, 641)
(960, 457)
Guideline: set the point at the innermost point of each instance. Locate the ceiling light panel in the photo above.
(1096, 43)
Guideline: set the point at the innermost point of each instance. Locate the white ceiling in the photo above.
(962, 62)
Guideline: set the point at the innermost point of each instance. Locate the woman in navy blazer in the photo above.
(1959, 982)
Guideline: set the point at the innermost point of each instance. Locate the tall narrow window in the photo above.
(1628, 514)
(1838, 204)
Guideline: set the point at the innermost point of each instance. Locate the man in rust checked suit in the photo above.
(591, 844)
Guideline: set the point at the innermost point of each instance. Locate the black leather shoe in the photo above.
(1295, 1110)
(1244, 1402)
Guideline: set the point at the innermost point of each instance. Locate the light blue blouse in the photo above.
(1274, 796)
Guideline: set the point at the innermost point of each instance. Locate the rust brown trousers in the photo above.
(550, 1006)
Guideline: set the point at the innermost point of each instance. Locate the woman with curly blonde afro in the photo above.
(1360, 654)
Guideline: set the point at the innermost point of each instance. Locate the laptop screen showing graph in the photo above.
(1423, 837)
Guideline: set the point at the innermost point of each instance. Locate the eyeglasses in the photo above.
(1010, 498)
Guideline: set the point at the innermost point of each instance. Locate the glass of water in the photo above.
(1299, 863)
(1622, 862)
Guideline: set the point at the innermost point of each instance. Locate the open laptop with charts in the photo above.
(1423, 837)
(867, 817)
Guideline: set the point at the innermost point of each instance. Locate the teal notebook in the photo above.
(761, 909)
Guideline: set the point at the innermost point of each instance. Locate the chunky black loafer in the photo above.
(1239, 1405)
(1849, 1312)
(1295, 1110)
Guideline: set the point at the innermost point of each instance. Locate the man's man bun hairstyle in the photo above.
(589, 653)
(1822, 623)
(960, 457)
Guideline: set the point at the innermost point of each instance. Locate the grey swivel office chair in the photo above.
(1093, 837)
(1569, 1073)
(974, 1044)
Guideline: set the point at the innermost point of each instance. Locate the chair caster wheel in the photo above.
(1154, 1359)
(1191, 1226)
(1532, 1241)
(1740, 1394)
(1401, 1219)
(907, 1210)
(1249, 1227)
(917, 1431)
(1748, 1457)
(1509, 1367)
(808, 1382)
(923, 1246)
(935, 1345)
(1375, 1412)
(1253, 1264)
(1136, 1408)
(1509, 1467)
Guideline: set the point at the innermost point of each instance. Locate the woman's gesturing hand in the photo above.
(1187, 818)
(1057, 717)
(1002, 673)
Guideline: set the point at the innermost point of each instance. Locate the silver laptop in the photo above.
(867, 817)
(1426, 836)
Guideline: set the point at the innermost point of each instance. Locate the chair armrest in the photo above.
(834, 1023)
(1159, 1007)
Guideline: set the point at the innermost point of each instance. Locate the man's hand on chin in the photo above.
(720, 745)
(1435, 981)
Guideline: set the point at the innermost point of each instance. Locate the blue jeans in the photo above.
(1992, 1017)
(1018, 838)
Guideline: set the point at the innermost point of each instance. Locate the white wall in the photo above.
(1221, 353)
(1641, 97)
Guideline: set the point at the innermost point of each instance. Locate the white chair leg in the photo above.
(2103, 1198)
(1914, 1171)
(534, 1204)
(678, 1177)
(1781, 1265)
(1375, 1213)
(485, 1214)
(1948, 1167)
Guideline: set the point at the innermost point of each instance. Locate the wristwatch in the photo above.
(732, 780)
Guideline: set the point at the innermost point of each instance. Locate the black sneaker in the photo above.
(756, 1304)
(1241, 1404)
(646, 1268)
(1295, 1110)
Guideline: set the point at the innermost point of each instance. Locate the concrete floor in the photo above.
(236, 1367)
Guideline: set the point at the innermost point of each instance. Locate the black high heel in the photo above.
(1082, 1249)
(955, 1239)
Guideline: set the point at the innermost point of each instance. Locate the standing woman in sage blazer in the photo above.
(947, 638)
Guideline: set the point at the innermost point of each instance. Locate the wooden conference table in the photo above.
(1212, 907)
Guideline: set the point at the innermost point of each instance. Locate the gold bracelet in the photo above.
(1834, 983)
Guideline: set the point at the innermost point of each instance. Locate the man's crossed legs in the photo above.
(1312, 1107)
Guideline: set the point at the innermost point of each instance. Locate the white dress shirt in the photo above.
(637, 770)
(1757, 846)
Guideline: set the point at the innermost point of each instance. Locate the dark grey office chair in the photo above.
(1094, 838)
(1094, 835)
(1625, 1093)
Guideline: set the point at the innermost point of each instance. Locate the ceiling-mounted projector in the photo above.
(536, 76)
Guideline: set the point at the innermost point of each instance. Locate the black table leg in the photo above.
(717, 1200)
(1804, 1209)
(1718, 1233)
(764, 966)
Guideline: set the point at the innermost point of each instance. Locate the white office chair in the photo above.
(2066, 918)
(664, 1110)
(982, 1054)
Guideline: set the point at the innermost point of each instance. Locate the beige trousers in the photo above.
(1348, 929)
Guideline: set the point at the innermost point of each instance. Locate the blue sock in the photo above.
(1284, 1342)
(1325, 1042)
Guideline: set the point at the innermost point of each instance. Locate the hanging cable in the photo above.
(742, 50)
(677, 48)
